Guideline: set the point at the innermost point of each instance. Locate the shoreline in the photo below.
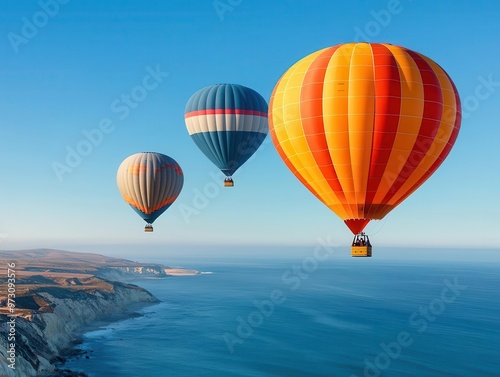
(73, 352)
(61, 296)
(47, 339)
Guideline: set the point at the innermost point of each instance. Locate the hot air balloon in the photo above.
(149, 183)
(362, 126)
(228, 122)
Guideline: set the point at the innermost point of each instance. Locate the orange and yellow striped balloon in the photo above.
(363, 125)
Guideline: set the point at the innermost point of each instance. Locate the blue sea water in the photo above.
(304, 317)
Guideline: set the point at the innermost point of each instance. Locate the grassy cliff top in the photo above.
(56, 272)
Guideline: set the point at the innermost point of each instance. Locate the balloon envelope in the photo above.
(228, 123)
(363, 125)
(149, 183)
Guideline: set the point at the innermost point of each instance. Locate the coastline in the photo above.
(74, 352)
(59, 296)
(44, 338)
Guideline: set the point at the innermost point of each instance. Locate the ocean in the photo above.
(307, 317)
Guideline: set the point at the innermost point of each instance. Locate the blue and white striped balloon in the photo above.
(228, 122)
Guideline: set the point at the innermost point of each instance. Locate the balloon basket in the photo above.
(148, 228)
(361, 251)
(361, 246)
(228, 182)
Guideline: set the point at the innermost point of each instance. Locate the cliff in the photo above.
(53, 321)
(48, 261)
(57, 294)
(125, 273)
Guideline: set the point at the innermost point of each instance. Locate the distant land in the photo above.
(56, 295)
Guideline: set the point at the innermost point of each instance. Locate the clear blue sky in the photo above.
(67, 72)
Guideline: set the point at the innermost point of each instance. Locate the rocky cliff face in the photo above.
(123, 273)
(56, 318)
(57, 293)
